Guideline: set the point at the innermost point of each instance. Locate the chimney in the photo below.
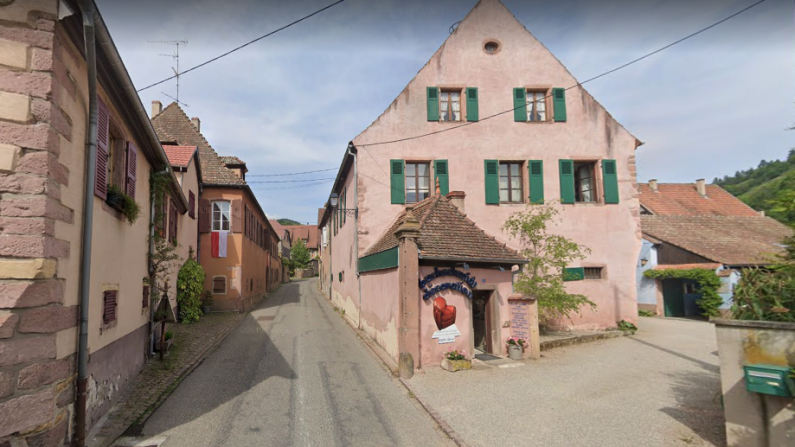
(196, 123)
(457, 199)
(762, 213)
(701, 187)
(157, 107)
(653, 184)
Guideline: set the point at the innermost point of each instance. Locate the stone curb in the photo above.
(547, 345)
(390, 366)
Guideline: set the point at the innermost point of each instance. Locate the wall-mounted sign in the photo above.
(459, 287)
(520, 318)
(447, 335)
(443, 313)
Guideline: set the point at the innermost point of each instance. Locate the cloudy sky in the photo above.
(713, 105)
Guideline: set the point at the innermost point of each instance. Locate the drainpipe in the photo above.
(356, 227)
(87, 8)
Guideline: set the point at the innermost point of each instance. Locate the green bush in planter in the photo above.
(190, 285)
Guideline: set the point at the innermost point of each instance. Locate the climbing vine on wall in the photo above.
(708, 285)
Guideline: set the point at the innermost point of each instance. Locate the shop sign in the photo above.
(428, 292)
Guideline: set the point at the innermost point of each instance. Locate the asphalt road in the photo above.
(292, 374)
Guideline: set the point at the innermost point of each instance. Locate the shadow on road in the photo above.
(698, 406)
(707, 366)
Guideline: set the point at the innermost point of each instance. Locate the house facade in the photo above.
(699, 226)
(67, 238)
(238, 248)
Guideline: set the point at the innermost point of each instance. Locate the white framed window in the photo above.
(536, 106)
(418, 181)
(221, 216)
(450, 105)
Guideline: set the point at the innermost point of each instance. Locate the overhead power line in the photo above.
(620, 67)
(244, 45)
(294, 181)
(291, 173)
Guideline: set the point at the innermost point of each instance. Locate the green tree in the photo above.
(299, 254)
(548, 256)
(190, 285)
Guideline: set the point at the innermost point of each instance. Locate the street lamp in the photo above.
(334, 201)
(334, 198)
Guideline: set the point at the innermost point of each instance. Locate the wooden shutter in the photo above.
(440, 168)
(237, 216)
(109, 302)
(535, 170)
(191, 205)
(398, 181)
(433, 103)
(164, 217)
(132, 169)
(492, 170)
(520, 104)
(145, 298)
(344, 206)
(610, 181)
(173, 223)
(566, 181)
(559, 103)
(574, 274)
(103, 139)
(472, 104)
(205, 216)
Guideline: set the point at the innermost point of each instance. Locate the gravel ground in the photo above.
(660, 387)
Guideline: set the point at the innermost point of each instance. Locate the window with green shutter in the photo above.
(566, 181)
(472, 104)
(433, 103)
(610, 180)
(440, 169)
(492, 174)
(398, 181)
(536, 174)
(574, 274)
(559, 104)
(519, 104)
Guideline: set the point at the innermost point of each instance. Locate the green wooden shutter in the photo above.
(574, 274)
(559, 100)
(397, 167)
(492, 168)
(472, 104)
(535, 170)
(520, 104)
(566, 181)
(610, 180)
(433, 103)
(440, 167)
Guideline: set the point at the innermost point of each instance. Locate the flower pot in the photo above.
(514, 352)
(206, 310)
(456, 365)
(115, 201)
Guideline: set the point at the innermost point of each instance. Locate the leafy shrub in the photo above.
(625, 325)
(708, 284)
(190, 285)
(767, 295)
(646, 313)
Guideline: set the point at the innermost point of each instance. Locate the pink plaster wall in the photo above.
(380, 308)
(345, 294)
(612, 232)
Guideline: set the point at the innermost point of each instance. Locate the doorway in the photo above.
(481, 317)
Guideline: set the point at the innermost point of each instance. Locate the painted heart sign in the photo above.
(443, 313)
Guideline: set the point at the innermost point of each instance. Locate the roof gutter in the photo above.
(476, 260)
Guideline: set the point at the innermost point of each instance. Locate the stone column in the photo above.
(408, 295)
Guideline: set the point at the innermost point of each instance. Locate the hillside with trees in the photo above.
(765, 187)
(287, 222)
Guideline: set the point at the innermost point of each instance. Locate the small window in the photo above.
(109, 304)
(585, 182)
(418, 180)
(510, 182)
(593, 272)
(690, 288)
(219, 285)
(491, 47)
(450, 105)
(536, 105)
(220, 216)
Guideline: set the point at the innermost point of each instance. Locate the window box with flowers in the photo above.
(515, 347)
(455, 360)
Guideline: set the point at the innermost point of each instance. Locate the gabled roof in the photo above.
(172, 124)
(308, 233)
(446, 233)
(278, 228)
(729, 240)
(682, 199)
(179, 155)
(231, 160)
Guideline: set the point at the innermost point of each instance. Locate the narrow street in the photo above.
(292, 373)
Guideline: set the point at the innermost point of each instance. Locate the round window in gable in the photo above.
(491, 47)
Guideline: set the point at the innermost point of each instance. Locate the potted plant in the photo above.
(207, 302)
(123, 203)
(515, 347)
(455, 360)
(115, 197)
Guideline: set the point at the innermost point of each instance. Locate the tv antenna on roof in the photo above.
(175, 56)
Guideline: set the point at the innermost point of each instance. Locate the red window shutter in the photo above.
(109, 303)
(103, 138)
(237, 216)
(191, 205)
(145, 301)
(132, 168)
(163, 217)
(204, 216)
(172, 222)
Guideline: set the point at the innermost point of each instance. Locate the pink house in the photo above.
(500, 121)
